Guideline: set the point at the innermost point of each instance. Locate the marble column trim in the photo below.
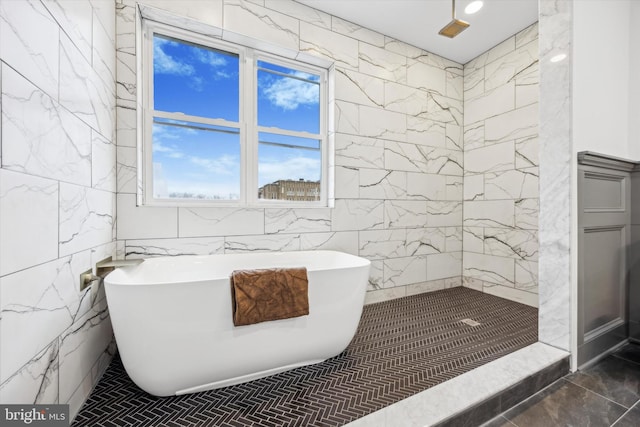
(556, 163)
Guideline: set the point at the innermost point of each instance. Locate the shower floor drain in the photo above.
(470, 322)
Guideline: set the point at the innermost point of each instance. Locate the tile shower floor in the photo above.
(401, 347)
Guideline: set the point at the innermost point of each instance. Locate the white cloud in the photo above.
(273, 169)
(164, 63)
(209, 57)
(172, 152)
(223, 165)
(196, 83)
(289, 94)
(163, 137)
(222, 75)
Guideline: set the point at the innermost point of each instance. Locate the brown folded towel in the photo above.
(269, 294)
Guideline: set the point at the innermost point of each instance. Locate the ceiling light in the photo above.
(473, 7)
(456, 26)
(559, 57)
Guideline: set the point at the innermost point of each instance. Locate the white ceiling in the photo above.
(417, 22)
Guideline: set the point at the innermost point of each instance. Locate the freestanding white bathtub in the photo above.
(172, 319)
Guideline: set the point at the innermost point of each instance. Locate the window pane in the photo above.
(195, 80)
(192, 161)
(288, 99)
(289, 168)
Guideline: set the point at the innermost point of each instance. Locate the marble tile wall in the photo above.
(501, 189)
(398, 153)
(57, 196)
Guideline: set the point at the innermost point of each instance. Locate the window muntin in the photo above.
(226, 147)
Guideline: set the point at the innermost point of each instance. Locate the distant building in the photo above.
(289, 189)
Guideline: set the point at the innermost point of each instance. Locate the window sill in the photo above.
(233, 205)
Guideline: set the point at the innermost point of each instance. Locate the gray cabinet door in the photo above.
(603, 239)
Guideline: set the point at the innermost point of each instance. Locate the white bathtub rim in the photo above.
(125, 276)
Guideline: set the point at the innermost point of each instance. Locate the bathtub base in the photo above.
(245, 378)
(173, 322)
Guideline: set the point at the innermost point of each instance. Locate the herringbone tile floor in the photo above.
(401, 347)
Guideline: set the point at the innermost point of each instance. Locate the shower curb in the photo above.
(477, 396)
(506, 399)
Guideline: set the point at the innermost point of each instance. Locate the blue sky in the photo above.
(205, 160)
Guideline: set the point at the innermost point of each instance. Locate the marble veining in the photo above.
(380, 244)
(347, 118)
(263, 24)
(384, 124)
(356, 151)
(382, 63)
(21, 223)
(103, 163)
(33, 54)
(89, 337)
(198, 222)
(126, 169)
(501, 169)
(37, 381)
(96, 109)
(356, 31)
(56, 146)
(519, 244)
(444, 213)
(359, 88)
(86, 218)
(302, 12)
(443, 109)
(345, 241)
(126, 86)
(427, 241)
(75, 19)
(327, 44)
(555, 174)
(405, 213)
(57, 189)
(426, 77)
(51, 305)
(403, 271)
(511, 184)
(357, 215)
(174, 247)
(262, 243)
(526, 275)
(527, 152)
(296, 221)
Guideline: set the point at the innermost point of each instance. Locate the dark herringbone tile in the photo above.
(402, 347)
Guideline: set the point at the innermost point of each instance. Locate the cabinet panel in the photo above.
(605, 192)
(603, 274)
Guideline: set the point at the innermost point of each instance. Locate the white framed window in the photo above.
(229, 125)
